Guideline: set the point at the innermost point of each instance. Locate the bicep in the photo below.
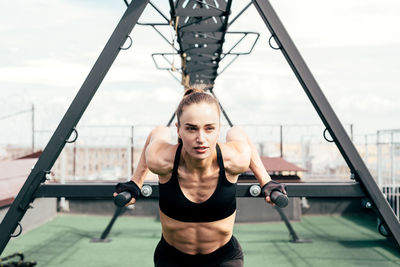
(237, 156)
(158, 157)
(238, 150)
(162, 133)
(236, 133)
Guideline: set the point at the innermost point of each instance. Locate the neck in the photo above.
(198, 165)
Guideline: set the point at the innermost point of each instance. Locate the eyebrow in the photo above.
(194, 125)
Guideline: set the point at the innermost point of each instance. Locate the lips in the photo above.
(201, 149)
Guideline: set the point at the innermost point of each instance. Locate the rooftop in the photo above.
(278, 164)
(336, 241)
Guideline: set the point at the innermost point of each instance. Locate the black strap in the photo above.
(220, 161)
(176, 161)
(178, 156)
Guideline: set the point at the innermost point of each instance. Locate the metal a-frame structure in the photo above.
(362, 186)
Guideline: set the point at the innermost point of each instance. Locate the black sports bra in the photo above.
(220, 205)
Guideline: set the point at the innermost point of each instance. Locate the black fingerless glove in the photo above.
(271, 186)
(130, 186)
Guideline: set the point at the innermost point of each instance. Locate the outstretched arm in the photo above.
(237, 133)
(157, 136)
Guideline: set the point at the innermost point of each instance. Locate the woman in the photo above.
(197, 184)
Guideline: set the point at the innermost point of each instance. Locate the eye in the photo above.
(191, 128)
(210, 128)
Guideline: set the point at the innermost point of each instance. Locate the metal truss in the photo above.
(200, 58)
(105, 190)
(71, 118)
(201, 27)
(189, 16)
(201, 30)
(346, 147)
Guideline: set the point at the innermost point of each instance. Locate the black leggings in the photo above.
(229, 255)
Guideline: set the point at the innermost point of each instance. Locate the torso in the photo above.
(198, 235)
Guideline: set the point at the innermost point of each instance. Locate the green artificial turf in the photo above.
(336, 241)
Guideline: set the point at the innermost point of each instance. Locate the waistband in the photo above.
(214, 256)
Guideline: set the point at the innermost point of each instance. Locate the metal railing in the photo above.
(107, 152)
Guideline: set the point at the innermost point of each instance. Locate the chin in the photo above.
(201, 156)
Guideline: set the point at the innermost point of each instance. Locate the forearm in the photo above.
(141, 169)
(256, 165)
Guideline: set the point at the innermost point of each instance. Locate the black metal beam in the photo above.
(201, 37)
(196, 8)
(103, 238)
(70, 120)
(292, 232)
(222, 109)
(327, 115)
(171, 119)
(239, 14)
(198, 24)
(105, 190)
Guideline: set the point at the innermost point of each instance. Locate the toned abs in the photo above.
(197, 237)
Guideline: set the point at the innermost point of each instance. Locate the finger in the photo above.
(115, 194)
(268, 200)
(131, 202)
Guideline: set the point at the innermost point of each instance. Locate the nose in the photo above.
(200, 136)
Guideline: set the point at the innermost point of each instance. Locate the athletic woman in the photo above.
(197, 184)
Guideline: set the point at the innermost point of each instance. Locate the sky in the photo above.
(47, 49)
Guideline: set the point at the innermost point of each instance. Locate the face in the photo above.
(199, 129)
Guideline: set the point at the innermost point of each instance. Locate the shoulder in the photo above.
(160, 156)
(236, 155)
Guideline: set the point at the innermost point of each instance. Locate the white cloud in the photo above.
(340, 23)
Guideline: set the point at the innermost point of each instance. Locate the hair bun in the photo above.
(193, 90)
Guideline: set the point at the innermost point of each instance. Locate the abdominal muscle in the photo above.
(198, 237)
